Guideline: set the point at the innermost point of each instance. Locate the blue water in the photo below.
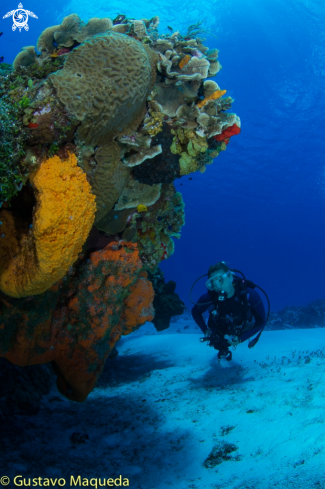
(260, 206)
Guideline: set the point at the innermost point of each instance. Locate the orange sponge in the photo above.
(33, 259)
(214, 96)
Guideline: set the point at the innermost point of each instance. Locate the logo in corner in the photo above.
(20, 18)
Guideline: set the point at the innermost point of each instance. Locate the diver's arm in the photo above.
(258, 310)
(198, 310)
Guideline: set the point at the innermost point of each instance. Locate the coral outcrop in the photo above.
(95, 126)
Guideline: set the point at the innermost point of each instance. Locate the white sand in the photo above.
(165, 402)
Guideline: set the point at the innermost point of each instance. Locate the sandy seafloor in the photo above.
(165, 403)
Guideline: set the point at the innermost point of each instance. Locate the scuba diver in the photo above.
(236, 310)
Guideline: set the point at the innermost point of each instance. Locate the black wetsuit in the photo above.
(231, 316)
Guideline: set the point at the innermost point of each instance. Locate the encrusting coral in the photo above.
(94, 131)
(32, 258)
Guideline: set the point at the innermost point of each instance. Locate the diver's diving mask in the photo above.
(216, 281)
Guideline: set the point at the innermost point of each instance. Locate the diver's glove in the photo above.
(232, 340)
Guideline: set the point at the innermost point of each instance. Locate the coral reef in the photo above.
(76, 323)
(95, 126)
(165, 168)
(154, 229)
(12, 141)
(291, 317)
(164, 116)
(5, 68)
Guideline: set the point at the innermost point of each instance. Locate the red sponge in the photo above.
(227, 133)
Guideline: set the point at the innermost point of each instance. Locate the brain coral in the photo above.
(33, 258)
(105, 83)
